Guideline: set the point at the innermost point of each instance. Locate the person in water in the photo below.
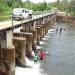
(56, 30)
(42, 55)
(36, 58)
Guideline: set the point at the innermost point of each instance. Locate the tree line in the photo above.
(64, 5)
(7, 5)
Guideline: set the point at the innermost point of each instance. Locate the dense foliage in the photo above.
(6, 5)
(64, 5)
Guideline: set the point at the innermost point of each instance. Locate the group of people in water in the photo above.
(39, 56)
(60, 30)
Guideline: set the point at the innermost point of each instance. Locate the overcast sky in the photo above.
(36, 1)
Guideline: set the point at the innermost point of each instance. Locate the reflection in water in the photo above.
(61, 58)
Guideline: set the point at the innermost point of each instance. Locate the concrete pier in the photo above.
(38, 35)
(49, 24)
(41, 31)
(30, 28)
(29, 37)
(7, 52)
(17, 45)
(8, 60)
(34, 39)
(46, 28)
(20, 49)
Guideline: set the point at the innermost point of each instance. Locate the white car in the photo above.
(20, 13)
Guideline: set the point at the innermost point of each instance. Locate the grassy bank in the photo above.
(3, 17)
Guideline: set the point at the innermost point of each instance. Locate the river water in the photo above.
(61, 48)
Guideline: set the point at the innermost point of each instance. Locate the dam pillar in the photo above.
(41, 31)
(34, 39)
(20, 49)
(7, 53)
(30, 28)
(28, 37)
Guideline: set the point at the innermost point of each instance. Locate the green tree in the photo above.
(72, 7)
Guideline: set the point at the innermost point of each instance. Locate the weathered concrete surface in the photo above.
(34, 39)
(70, 19)
(29, 26)
(8, 61)
(41, 31)
(20, 49)
(29, 37)
(46, 28)
(38, 35)
(6, 40)
(7, 53)
(73, 22)
(62, 19)
(49, 24)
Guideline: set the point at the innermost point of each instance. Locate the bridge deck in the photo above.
(8, 25)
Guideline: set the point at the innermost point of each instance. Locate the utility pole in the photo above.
(21, 7)
(12, 16)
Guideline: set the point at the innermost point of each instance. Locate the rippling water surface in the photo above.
(61, 58)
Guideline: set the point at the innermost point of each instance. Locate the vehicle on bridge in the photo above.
(21, 13)
(30, 13)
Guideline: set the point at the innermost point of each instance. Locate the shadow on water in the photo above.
(61, 58)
